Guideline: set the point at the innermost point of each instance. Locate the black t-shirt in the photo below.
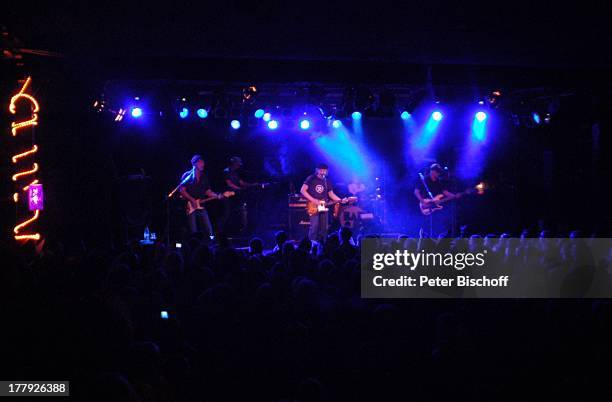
(232, 175)
(436, 187)
(318, 188)
(196, 189)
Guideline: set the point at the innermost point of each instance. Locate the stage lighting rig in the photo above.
(386, 103)
(364, 99)
(220, 104)
(99, 105)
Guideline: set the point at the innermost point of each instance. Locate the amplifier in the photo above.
(297, 201)
(299, 221)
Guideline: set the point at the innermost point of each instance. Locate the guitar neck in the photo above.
(456, 196)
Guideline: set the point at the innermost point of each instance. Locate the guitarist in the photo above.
(196, 186)
(426, 190)
(234, 182)
(319, 190)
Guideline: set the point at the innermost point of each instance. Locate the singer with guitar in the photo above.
(195, 189)
(430, 190)
(319, 192)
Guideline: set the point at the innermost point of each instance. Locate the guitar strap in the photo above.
(425, 185)
(326, 199)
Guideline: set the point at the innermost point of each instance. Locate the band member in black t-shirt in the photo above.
(317, 189)
(234, 182)
(425, 191)
(196, 186)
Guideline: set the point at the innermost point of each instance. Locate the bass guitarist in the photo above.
(235, 183)
(318, 190)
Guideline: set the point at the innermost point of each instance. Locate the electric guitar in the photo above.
(199, 203)
(314, 208)
(431, 205)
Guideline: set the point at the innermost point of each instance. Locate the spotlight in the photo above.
(235, 124)
(136, 112)
(272, 124)
(249, 93)
(481, 116)
(356, 115)
(304, 124)
(202, 113)
(184, 113)
(437, 116)
(494, 97)
(536, 118)
(405, 115)
(336, 124)
(266, 117)
(259, 113)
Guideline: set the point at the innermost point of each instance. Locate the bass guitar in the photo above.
(322, 206)
(199, 203)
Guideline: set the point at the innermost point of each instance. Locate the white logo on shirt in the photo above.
(319, 188)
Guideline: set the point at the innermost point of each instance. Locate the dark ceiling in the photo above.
(508, 33)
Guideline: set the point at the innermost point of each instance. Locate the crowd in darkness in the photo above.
(286, 324)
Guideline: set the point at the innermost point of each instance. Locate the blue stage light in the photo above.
(436, 116)
(336, 124)
(259, 113)
(481, 116)
(136, 112)
(235, 124)
(356, 115)
(202, 113)
(405, 115)
(536, 118)
(304, 124)
(184, 113)
(266, 117)
(272, 124)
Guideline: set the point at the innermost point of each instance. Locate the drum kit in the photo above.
(366, 214)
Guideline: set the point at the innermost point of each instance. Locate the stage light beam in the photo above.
(235, 124)
(136, 112)
(336, 124)
(481, 116)
(356, 115)
(267, 116)
(304, 124)
(272, 124)
(259, 113)
(405, 115)
(437, 115)
(184, 113)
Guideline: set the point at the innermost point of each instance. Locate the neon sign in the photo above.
(25, 165)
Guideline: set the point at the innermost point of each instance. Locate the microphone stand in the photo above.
(422, 177)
